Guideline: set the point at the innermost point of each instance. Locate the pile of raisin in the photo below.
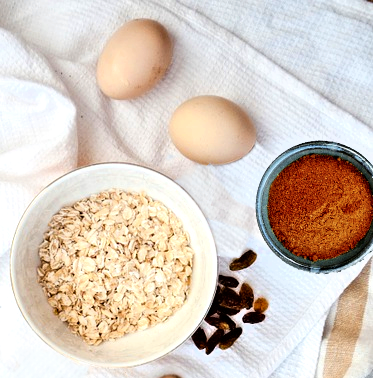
(228, 302)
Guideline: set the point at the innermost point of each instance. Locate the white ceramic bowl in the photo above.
(132, 349)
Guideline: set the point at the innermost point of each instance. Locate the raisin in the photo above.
(260, 305)
(244, 261)
(253, 317)
(215, 322)
(223, 322)
(199, 338)
(214, 340)
(225, 319)
(227, 311)
(230, 299)
(228, 339)
(247, 295)
(228, 281)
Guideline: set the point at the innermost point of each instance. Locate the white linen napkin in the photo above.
(53, 117)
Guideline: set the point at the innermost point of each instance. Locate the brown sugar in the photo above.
(320, 207)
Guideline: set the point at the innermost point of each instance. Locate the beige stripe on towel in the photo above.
(347, 326)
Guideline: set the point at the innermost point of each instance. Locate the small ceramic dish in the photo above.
(340, 262)
(135, 348)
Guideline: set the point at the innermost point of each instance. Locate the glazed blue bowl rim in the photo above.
(362, 249)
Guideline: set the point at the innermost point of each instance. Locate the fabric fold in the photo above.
(38, 136)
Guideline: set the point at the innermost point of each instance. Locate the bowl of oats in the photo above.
(113, 265)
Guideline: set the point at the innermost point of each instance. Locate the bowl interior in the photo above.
(322, 148)
(139, 347)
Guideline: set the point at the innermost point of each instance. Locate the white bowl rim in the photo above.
(142, 361)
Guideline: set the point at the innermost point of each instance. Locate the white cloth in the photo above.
(53, 117)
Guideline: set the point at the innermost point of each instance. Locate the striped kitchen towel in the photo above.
(347, 346)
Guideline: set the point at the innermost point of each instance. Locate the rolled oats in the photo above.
(115, 263)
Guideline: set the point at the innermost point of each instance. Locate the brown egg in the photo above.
(134, 59)
(212, 130)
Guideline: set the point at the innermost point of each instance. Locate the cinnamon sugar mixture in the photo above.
(320, 207)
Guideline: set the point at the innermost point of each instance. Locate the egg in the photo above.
(212, 130)
(134, 59)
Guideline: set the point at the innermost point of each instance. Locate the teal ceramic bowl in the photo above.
(364, 246)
